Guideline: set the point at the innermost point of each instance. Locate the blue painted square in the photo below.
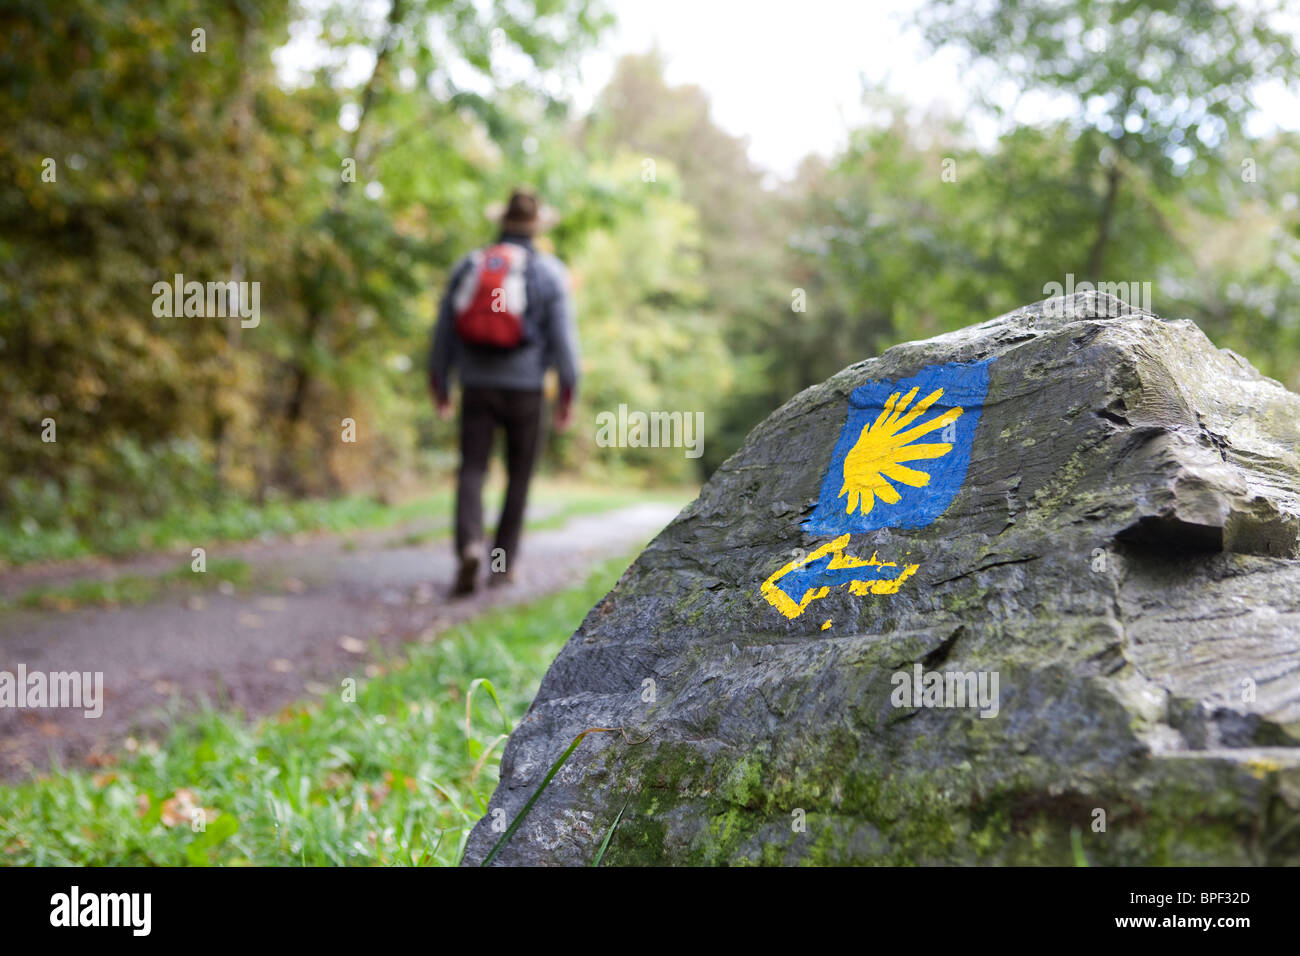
(891, 444)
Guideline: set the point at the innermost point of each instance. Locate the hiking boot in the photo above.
(467, 575)
(500, 579)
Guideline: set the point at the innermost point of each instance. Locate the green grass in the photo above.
(134, 588)
(242, 521)
(560, 501)
(230, 521)
(393, 778)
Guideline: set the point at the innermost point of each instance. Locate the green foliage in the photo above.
(1158, 101)
(170, 159)
(1171, 82)
(688, 264)
(649, 341)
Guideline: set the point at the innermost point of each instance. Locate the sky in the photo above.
(785, 75)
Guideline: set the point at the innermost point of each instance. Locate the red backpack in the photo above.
(491, 297)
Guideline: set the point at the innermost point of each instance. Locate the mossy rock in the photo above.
(1119, 548)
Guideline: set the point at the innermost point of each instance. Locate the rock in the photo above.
(1104, 559)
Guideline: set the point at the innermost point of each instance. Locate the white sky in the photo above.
(783, 73)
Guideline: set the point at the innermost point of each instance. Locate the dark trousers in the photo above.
(519, 412)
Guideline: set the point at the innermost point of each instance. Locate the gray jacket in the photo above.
(549, 313)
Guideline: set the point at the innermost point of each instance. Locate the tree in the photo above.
(1154, 87)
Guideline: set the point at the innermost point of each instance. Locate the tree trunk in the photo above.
(242, 120)
(299, 373)
(1098, 253)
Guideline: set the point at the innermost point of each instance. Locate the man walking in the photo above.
(505, 318)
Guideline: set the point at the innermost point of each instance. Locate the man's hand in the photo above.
(563, 416)
(442, 403)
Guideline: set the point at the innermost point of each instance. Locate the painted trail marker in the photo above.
(900, 460)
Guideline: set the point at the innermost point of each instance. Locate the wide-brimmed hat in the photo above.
(524, 214)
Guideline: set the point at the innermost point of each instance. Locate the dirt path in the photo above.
(325, 607)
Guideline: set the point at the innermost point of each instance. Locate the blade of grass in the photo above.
(609, 835)
(550, 774)
(473, 775)
(1076, 844)
(492, 692)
